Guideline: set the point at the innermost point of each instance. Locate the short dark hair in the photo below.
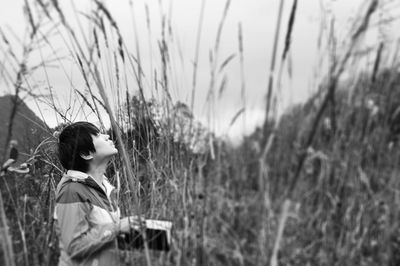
(76, 140)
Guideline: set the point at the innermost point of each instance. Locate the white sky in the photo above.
(258, 19)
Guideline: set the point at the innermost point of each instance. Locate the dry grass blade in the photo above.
(365, 22)
(197, 51)
(6, 41)
(30, 18)
(110, 18)
(226, 62)
(58, 9)
(289, 30)
(377, 62)
(213, 58)
(222, 87)
(96, 42)
(6, 242)
(221, 26)
(242, 77)
(272, 67)
(44, 8)
(236, 116)
(281, 227)
(85, 100)
(86, 79)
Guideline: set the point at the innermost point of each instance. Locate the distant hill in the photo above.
(28, 129)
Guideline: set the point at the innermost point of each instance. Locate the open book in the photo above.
(158, 235)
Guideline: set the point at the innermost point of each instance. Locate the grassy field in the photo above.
(315, 186)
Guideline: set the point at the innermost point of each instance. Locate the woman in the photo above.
(86, 213)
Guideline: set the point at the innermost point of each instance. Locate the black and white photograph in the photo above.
(200, 132)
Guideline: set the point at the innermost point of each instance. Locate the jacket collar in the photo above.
(82, 177)
(74, 174)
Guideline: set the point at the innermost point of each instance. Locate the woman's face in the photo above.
(104, 146)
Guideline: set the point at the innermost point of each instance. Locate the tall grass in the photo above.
(316, 187)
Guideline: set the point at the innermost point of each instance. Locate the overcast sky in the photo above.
(258, 21)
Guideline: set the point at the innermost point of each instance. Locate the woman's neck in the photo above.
(97, 172)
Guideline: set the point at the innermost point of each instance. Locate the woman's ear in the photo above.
(86, 156)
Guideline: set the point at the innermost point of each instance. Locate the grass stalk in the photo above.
(272, 67)
(242, 77)
(6, 243)
(289, 30)
(197, 52)
(19, 223)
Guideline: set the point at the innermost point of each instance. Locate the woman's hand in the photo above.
(131, 222)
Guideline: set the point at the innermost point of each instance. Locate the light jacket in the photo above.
(87, 221)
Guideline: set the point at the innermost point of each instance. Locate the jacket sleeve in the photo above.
(78, 237)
